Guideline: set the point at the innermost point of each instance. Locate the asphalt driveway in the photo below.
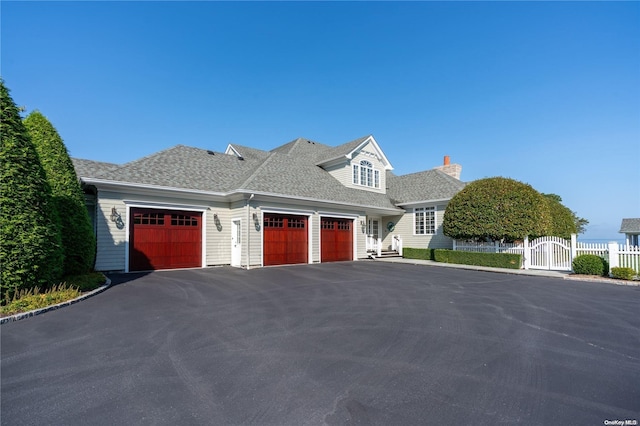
(343, 343)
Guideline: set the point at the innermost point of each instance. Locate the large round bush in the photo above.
(498, 209)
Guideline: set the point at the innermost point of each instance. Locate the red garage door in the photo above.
(285, 239)
(164, 239)
(336, 239)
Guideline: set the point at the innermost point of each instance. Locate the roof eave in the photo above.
(411, 203)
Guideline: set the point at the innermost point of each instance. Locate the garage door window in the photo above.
(183, 220)
(273, 222)
(148, 218)
(296, 223)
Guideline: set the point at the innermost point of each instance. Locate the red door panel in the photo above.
(285, 239)
(336, 237)
(165, 239)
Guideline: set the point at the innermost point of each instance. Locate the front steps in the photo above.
(384, 254)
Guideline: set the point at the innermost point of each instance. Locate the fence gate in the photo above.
(551, 253)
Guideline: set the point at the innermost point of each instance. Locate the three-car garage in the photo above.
(172, 239)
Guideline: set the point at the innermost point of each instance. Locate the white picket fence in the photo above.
(556, 253)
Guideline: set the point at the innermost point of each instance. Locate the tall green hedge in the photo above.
(30, 246)
(77, 233)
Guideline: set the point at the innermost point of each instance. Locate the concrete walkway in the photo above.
(565, 275)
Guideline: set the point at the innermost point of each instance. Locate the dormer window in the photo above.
(364, 174)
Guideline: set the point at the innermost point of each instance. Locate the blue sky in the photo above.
(547, 93)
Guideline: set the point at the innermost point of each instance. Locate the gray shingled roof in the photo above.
(187, 168)
(89, 168)
(630, 226)
(296, 176)
(289, 170)
(422, 186)
(305, 148)
(341, 150)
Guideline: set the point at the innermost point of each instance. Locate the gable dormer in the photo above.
(359, 164)
(231, 150)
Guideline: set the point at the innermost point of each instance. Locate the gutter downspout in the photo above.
(249, 231)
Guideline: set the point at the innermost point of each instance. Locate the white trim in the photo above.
(424, 211)
(112, 184)
(239, 265)
(382, 158)
(231, 150)
(129, 204)
(349, 155)
(215, 196)
(412, 203)
(280, 210)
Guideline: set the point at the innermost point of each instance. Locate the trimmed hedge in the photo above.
(418, 253)
(31, 251)
(623, 273)
(78, 240)
(590, 264)
(496, 260)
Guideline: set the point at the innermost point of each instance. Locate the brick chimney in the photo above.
(451, 169)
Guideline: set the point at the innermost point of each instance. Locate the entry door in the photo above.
(236, 242)
(373, 233)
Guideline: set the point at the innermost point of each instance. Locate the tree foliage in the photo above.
(562, 219)
(78, 240)
(497, 208)
(30, 246)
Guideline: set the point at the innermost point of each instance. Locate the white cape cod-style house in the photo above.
(302, 202)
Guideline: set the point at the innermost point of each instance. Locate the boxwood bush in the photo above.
(590, 264)
(418, 253)
(623, 273)
(496, 260)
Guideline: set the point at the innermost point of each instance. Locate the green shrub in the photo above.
(78, 240)
(418, 253)
(590, 264)
(30, 245)
(496, 260)
(623, 273)
(86, 282)
(30, 299)
(497, 208)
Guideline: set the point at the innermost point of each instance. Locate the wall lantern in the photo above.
(216, 220)
(116, 218)
(256, 221)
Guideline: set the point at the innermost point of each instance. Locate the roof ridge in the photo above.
(255, 172)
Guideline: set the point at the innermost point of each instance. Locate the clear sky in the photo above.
(547, 93)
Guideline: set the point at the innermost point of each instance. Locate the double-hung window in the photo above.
(364, 174)
(424, 220)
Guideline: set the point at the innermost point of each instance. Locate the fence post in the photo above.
(574, 248)
(496, 246)
(454, 245)
(613, 255)
(525, 253)
(379, 253)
